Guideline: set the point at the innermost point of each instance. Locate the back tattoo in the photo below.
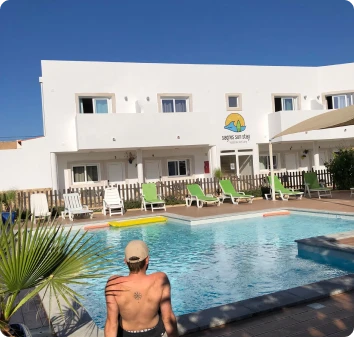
(137, 295)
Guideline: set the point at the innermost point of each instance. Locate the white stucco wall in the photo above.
(208, 85)
(26, 168)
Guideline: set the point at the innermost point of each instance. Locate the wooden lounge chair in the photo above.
(149, 197)
(229, 192)
(73, 206)
(283, 192)
(197, 194)
(112, 202)
(312, 185)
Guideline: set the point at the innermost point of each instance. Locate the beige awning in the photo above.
(330, 119)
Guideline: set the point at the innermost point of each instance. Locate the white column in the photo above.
(54, 171)
(256, 159)
(139, 160)
(271, 169)
(213, 159)
(316, 156)
(67, 179)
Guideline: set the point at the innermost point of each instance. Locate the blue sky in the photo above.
(274, 32)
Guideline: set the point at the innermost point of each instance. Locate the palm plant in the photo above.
(8, 198)
(47, 258)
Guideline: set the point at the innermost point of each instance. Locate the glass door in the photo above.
(228, 165)
(245, 164)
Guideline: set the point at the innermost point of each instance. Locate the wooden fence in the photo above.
(93, 196)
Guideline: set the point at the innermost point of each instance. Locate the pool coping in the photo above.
(83, 325)
(330, 241)
(188, 220)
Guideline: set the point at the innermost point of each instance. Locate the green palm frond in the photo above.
(46, 257)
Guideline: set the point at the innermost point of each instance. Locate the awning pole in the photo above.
(271, 169)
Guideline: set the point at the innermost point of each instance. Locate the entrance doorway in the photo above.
(245, 164)
(152, 171)
(236, 164)
(116, 173)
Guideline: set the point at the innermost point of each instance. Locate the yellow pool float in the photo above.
(139, 221)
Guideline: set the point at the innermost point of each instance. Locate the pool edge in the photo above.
(83, 325)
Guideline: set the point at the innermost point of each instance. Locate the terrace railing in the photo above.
(173, 190)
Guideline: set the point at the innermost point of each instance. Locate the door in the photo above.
(228, 165)
(290, 162)
(323, 159)
(152, 171)
(245, 163)
(116, 173)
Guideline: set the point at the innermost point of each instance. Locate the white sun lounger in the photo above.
(73, 206)
(39, 206)
(112, 202)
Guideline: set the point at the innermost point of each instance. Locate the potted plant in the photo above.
(8, 200)
(54, 259)
(218, 175)
(130, 157)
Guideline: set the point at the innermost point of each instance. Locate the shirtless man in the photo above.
(139, 305)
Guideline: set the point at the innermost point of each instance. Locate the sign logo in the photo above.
(352, 2)
(2, 2)
(235, 122)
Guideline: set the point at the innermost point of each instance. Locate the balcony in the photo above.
(143, 130)
(281, 120)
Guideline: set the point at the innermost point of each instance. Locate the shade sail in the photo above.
(330, 119)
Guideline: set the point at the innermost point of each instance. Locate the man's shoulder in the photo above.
(114, 278)
(160, 276)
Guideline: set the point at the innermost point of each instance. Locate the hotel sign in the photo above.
(235, 122)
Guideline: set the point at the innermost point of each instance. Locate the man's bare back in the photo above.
(140, 301)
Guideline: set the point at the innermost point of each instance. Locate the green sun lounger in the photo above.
(284, 193)
(229, 192)
(149, 197)
(196, 194)
(312, 185)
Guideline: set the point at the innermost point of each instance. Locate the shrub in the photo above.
(342, 168)
(217, 173)
(255, 193)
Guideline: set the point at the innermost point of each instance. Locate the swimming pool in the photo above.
(214, 264)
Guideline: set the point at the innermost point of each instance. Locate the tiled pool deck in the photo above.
(292, 318)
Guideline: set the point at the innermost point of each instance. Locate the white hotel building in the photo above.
(176, 120)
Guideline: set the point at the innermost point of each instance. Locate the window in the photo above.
(264, 162)
(233, 102)
(285, 103)
(178, 168)
(91, 105)
(174, 103)
(85, 173)
(340, 101)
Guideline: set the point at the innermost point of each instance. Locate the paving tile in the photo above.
(218, 316)
(308, 292)
(185, 325)
(270, 302)
(344, 333)
(271, 326)
(329, 324)
(305, 316)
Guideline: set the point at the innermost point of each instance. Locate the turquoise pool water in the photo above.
(214, 264)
